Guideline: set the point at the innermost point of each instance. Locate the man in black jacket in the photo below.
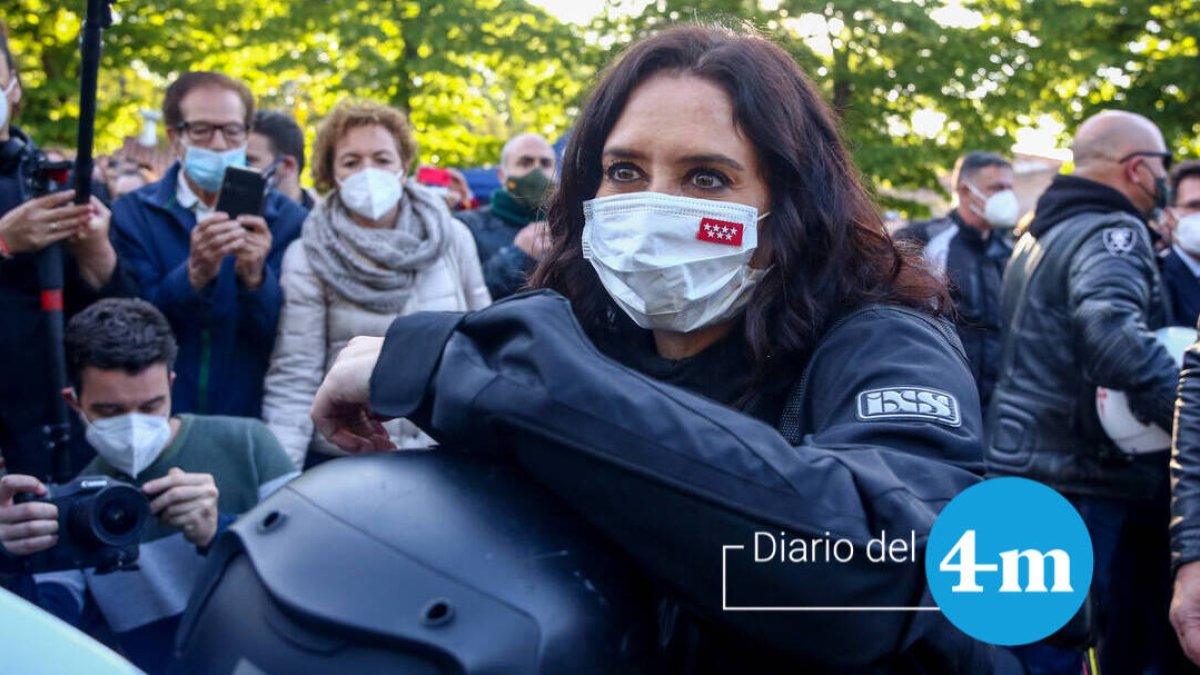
(511, 232)
(1081, 298)
(971, 246)
(91, 271)
(1181, 267)
(1185, 507)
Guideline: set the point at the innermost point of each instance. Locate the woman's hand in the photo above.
(341, 410)
(47, 220)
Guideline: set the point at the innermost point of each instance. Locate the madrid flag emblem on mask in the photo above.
(720, 232)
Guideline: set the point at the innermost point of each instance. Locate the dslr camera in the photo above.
(100, 522)
(47, 176)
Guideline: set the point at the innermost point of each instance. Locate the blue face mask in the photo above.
(207, 167)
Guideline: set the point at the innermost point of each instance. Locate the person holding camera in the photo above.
(28, 225)
(215, 278)
(196, 472)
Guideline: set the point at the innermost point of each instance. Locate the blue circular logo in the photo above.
(1009, 561)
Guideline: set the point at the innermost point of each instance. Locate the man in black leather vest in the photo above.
(1080, 300)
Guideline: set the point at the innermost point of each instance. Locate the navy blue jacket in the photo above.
(506, 267)
(672, 477)
(1183, 289)
(225, 331)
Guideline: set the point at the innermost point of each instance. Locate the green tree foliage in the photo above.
(916, 85)
(916, 82)
(471, 73)
(1070, 60)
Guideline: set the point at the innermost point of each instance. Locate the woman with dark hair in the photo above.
(782, 371)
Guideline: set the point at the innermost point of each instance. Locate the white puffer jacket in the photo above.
(316, 323)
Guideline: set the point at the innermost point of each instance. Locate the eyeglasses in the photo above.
(202, 132)
(1167, 158)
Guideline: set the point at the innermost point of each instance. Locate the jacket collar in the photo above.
(1070, 196)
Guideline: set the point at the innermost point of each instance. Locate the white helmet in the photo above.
(1119, 422)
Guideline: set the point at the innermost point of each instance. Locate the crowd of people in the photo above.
(724, 254)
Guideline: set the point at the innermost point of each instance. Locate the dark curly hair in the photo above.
(829, 253)
(118, 333)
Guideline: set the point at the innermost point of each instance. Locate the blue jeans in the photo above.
(1131, 583)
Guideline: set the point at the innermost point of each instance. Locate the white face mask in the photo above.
(131, 442)
(371, 192)
(672, 263)
(4, 107)
(1187, 233)
(1000, 210)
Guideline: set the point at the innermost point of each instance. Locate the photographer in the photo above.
(29, 224)
(197, 472)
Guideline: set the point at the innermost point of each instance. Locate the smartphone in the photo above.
(243, 192)
(438, 179)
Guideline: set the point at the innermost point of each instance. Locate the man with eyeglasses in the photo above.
(1081, 298)
(1181, 267)
(216, 278)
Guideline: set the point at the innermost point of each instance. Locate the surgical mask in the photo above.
(131, 442)
(529, 190)
(673, 263)
(1187, 233)
(207, 167)
(999, 210)
(4, 107)
(371, 192)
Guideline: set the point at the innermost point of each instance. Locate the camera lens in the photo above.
(118, 519)
(114, 516)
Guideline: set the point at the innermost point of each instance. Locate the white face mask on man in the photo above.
(371, 192)
(1187, 233)
(999, 210)
(5, 108)
(130, 442)
(673, 263)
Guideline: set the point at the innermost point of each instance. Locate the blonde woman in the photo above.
(379, 246)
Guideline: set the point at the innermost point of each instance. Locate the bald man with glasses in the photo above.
(1081, 298)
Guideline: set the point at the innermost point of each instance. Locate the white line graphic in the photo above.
(725, 603)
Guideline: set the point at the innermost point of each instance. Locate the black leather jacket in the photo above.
(1081, 297)
(672, 477)
(974, 267)
(1185, 464)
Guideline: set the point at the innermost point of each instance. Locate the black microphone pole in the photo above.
(56, 433)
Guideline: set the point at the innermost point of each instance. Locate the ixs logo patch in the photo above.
(912, 403)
